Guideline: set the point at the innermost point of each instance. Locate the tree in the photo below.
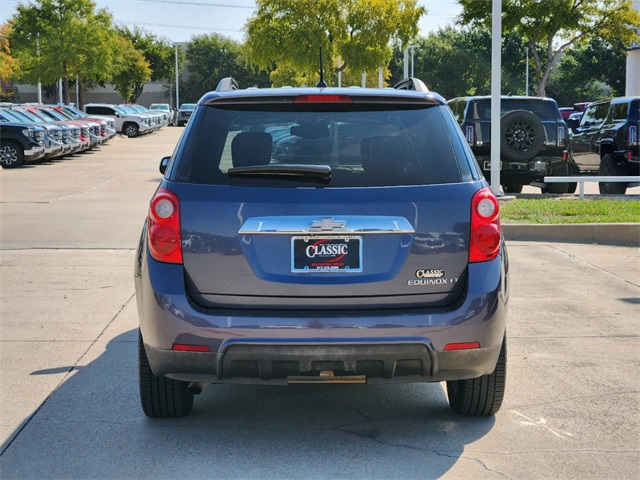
(551, 26)
(210, 58)
(456, 61)
(288, 34)
(131, 70)
(158, 54)
(8, 65)
(64, 39)
(588, 73)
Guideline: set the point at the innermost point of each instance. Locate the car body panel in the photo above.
(402, 188)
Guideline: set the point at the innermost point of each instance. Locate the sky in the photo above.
(179, 20)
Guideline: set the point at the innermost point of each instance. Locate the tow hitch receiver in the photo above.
(327, 376)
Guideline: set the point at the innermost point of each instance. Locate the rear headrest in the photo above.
(251, 148)
(386, 155)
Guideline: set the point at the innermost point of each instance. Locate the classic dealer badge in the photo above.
(434, 276)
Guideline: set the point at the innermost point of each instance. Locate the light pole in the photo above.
(176, 45)
(412, 48)
(527, 82)
(405, 66)
(496, 82)
(38, 55)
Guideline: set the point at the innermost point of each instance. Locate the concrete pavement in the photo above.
(69, 406)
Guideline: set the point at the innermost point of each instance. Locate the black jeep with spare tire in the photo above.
(534, 140)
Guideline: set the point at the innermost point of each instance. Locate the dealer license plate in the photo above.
(329, 254)
(487, 166)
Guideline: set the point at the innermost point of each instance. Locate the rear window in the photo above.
(546, 111)
(619, 112)
(362, 148)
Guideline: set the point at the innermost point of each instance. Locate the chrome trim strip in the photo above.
(326, 224)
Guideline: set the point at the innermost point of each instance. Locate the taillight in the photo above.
(485, 227)
(469, 134)
(560, 136)
(186, 347)
(164, 227)
(322, 98)
(633, 135)
(323, 103)
(461, 346)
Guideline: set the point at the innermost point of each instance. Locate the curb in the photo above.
(622, 234)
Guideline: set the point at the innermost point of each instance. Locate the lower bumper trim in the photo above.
(280, 364)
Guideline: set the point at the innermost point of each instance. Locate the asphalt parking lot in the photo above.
(69, 404)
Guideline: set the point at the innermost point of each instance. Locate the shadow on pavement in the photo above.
(92, 426)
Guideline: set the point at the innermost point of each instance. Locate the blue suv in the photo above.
(322, 235)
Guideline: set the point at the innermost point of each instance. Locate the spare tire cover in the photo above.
(521, 135)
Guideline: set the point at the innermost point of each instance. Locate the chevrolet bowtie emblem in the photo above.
(327, 225)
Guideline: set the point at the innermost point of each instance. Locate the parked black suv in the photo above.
(534, 140)
(606, 141)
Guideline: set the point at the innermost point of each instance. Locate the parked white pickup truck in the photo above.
(131, 124)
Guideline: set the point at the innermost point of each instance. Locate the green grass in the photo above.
(547, 211)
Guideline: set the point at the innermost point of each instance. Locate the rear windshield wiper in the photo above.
(294, 171)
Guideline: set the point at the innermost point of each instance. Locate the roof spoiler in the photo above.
(411, 83)
(227, 84)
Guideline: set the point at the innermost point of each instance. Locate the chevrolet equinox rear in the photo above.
(321, 235)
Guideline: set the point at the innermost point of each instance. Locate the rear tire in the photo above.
(161, 397)
(609, 167)
(11, 155)
(560, 171)
(512, 188)
(482, 395)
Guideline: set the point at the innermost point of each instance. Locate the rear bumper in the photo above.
(525, 172)
(257, 347)
(276, 363)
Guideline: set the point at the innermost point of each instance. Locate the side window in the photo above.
(100, 110)
(619, 112)
(481, 110)
(457, 108)
(589, 117)
(601, 112)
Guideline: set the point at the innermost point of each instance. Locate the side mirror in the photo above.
(164, 163)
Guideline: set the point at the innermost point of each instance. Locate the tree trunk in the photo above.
(80, 101)
(65, 91)
(537, 63)
(137, 91)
